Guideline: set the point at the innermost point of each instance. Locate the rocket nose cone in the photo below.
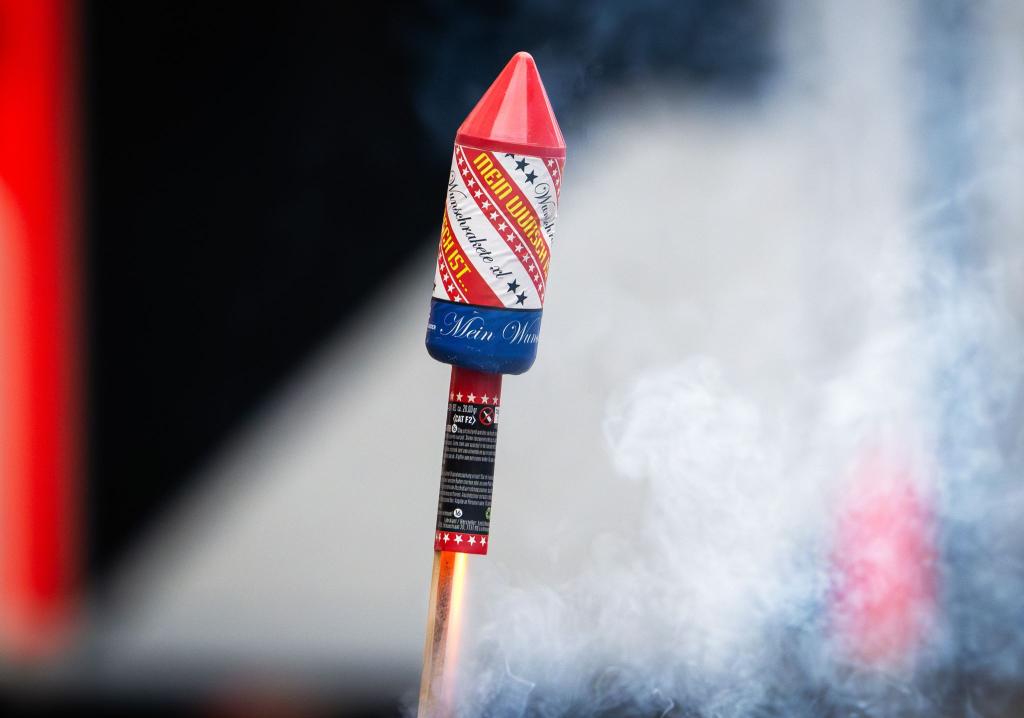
(514, 115)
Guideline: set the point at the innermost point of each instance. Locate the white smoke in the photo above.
(759, 303)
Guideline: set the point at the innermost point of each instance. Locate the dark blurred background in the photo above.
(790, 305)
(233, 218)
(234, 158)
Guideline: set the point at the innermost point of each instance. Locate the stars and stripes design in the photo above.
(504, 222)
(454, 289)
(498, 229)
(472, 398)
(461, 542)
(555, 168)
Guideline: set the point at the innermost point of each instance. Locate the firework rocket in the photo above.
(490, 280)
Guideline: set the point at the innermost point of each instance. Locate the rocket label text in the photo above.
(497, 230)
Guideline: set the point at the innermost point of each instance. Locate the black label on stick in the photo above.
(467, 478)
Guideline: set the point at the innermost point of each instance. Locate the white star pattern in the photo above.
(471, 398)
(451, 397)
(484, 398)
(458, 396)
(475, 543)
(448, 283)
(492, 216)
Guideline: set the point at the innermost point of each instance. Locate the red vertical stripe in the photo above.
(37, 323)
(472, 284)
(513, 236)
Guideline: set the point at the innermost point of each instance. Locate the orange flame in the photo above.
(444, 629)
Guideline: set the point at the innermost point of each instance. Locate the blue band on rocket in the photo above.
(487, 339)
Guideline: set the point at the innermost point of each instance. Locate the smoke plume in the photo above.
(807, 351)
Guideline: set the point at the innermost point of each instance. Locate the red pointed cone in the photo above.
(514, 115)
